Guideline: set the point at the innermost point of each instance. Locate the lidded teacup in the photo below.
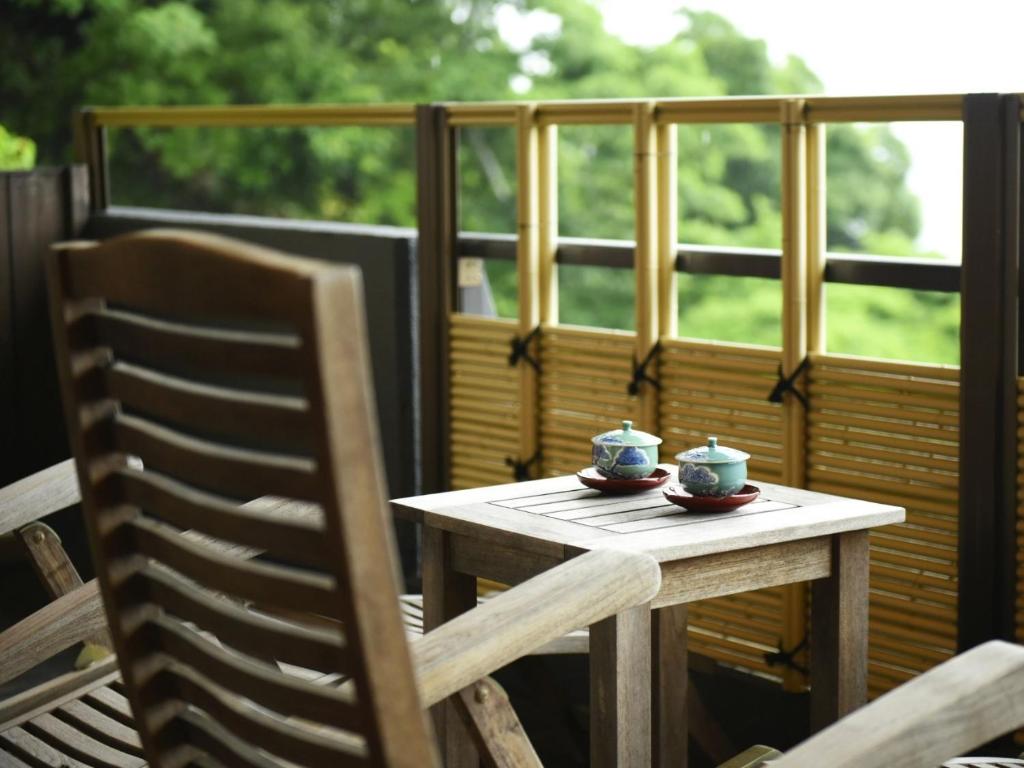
(712, 469)
(625, 454)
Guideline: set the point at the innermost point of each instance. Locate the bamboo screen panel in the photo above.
(721, 389)
(484, 401)
(583, 392)
(710, 388)
(888, 432)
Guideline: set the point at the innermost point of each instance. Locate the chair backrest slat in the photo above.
(220, 747)
(250, 632)
(297, 539)
(308, 745)
(275, 421)
(161, 344)
(248, 579)
(255, 681)
(243, 473)
(221, 414)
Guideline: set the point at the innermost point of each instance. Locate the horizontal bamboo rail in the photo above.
(722, 109)
(241, 115)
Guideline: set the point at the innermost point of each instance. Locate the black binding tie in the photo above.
(521, 469)
(640, 372)
(787, 658)
(788, 384)
(521, 349)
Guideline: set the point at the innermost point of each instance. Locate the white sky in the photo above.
(871, 47)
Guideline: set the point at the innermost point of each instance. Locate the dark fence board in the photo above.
(40, 207)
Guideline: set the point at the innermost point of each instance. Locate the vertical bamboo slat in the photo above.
(528, 271)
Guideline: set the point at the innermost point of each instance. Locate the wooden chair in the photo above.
(150, 330)
(967, 701)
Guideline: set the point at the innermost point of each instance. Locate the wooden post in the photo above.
(1013, 330)
(645, 165)
(988, 368)
(437, 214)
(839, 631)
(90, 148)
(446, 594)
(794, 343)
(620, 690)
(669, 687)
(37, 208)
(528, 272)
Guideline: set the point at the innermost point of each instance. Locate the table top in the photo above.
(558, 516)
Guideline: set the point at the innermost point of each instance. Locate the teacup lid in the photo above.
(713, 453)
(626, 436)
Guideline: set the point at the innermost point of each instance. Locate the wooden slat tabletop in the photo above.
(560, 516)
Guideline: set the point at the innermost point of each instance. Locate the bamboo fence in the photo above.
(874, 429)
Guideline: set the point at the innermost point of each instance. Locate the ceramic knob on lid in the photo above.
(625, 454)
(712, 470)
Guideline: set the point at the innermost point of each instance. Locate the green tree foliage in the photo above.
(60, 54)
(16, 152)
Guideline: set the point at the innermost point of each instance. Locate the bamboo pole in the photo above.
(645, 202)
(257, 115)
(668, 230)
(816, 238)
(477, 114)
(547, 183)
(840, 109)
(794, 277)
(590, 112)
(527, 266)
(794, 343)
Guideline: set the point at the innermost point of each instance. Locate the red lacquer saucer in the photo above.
(691, 503)
(591, 478)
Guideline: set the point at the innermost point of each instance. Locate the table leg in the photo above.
(620, 690)
(669, 679)
(446, 594)
(839, 632)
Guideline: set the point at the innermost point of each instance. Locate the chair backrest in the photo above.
(198, 374)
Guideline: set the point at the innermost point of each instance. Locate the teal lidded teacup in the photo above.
(625, 454)
(712, 470)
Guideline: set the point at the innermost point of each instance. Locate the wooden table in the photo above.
(638, 672)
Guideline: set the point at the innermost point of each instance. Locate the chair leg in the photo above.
(492, 722)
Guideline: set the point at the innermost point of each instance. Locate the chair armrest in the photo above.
(47, 491)
(966, 701)
(60, 624)
(575, 594)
